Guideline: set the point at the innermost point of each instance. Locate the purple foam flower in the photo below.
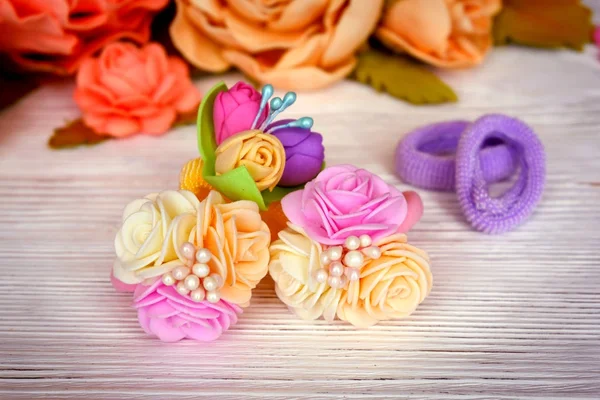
(304, 153)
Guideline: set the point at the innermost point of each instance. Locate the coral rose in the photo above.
(345, 201)
(235, 110)
(444, 33)
(389, 287)
(292, 44)
(55, 36)
(168, 315)
(294, 260)
(261, 153)
(128, 89)
(151, 231)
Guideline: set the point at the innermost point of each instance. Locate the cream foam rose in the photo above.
(344, 201)
(152, 230)
(295, 261)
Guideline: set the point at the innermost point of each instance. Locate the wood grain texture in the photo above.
(511, 316)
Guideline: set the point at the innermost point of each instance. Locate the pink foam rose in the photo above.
(235, 110)
(344, 201)
(170, 316)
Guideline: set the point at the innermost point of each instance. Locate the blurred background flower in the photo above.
(55, 36)
(292, 44)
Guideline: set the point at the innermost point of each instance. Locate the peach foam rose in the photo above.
(292, 44)
(444, 33)
(127, 90)
(55, 36)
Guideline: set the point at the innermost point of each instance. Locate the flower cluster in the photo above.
(345, 253)
(246, 154)
(194, 262)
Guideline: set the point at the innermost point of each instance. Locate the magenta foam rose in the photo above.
(165, 313)
(304, 153)
(234, 111)
(345, 201)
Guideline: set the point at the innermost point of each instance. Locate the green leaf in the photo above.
(74, 134)
(544, 23)
(278, 193)
(237, 184)
(402, 78)
(207, 143)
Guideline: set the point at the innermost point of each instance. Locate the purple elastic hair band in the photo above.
(426, 157)
(499, 214)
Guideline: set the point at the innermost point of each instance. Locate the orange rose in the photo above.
(304, 44)
(444, 33)
(55, 36)
(127, 90)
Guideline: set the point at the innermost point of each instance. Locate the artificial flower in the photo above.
(444, 33)
(152, 230)
(262, 154)
(235, 110)
(295, 258)
(345, 201)
(390, 287)
(127, 90)
(304, 153)
(165, 313)
(292, 44)
(157, 229)
(55, 36)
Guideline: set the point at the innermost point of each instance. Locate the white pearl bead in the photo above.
(180, 272)
(218, 279)
(168, 279)
(203, 256)
(335, 253)
(365, 240)
(192, 282)
(197, 295)
(352, 243)
(321, 275)
(325, 260)
(213, 297)
(209, 283)
(188, 250)
(354, 259)
(373, 252)
(352, 274)
(336, 269)
(334, 281)
(182, 289)
(201, 270)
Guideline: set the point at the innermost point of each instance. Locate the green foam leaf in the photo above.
(207, 143)
(278, 193)
(544, 23)
(237, 184)
(402, 78)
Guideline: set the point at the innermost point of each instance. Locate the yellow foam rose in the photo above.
(390, 287)
(294, 259)
(262, 154)
(444, 33)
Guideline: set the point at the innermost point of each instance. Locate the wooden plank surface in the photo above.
(511, 316)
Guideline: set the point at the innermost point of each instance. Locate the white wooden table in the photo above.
(512, 316)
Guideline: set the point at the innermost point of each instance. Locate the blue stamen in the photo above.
(304, 123)
(288, 100)
(267, 92)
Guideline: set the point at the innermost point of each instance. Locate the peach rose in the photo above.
(261, 153)
(304, 44)
(390, 287)
(55, 36)
(129, 89)
(444, 33)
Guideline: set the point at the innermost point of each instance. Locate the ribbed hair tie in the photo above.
(491, 149)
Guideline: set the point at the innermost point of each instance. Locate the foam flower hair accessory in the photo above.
(344, 253)
(245, 153)
(191, 263)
